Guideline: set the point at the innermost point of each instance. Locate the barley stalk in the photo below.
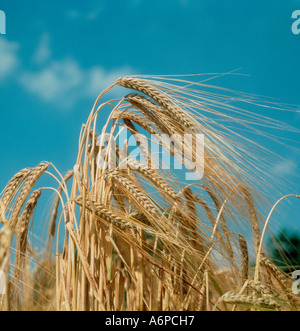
(136, 193)
(12, 186)
(151, 111)
(161, 98)
(52, 227)
(242, 299)
(5, 241)
(24, 220)
(141, 238)
(253, 217)
(244, 273)
(32, 178)
(154, 177)
(142, 122)
(260, 288)
(22, 233)
(104, 213)
(275, 270)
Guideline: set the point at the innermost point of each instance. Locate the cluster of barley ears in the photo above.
(142, 238)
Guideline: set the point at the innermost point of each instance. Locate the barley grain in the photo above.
(161, 98)
(33, 177)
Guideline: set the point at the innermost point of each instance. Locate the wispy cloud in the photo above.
(73, 14)
(66, 82)
(90, 15)
(285, 168)
(9, 58)
(43, 51)
(62, 82)
(99, 78)
(55, 82)
(93, 14)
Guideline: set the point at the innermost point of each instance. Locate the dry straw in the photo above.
(140, 238)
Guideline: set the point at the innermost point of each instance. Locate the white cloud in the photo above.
(55, 82)
(92, 15)
(89, 15)
(99, 79)
(65, 82)
(8, 58)
(73, 14)
(43, 51)
(285, 168)
(61, 82)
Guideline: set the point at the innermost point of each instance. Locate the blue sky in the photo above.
(58, 55)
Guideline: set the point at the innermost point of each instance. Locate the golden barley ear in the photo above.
(31, 180)
(244, 274)
(162, 99)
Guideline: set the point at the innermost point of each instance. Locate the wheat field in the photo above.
(142, 238)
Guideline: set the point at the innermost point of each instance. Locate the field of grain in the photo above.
(139, 238)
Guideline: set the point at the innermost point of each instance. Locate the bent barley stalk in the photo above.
(142, 122)
(12, 186)
(244, 275)
(254, 218)
(31, 180)
(142, 238)
(105, 214)
(152, 112)
(52, 226)
(22, 235)
(136, 193)
(158, 96)
(251, 301)
(154, 177)
(24, 221)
